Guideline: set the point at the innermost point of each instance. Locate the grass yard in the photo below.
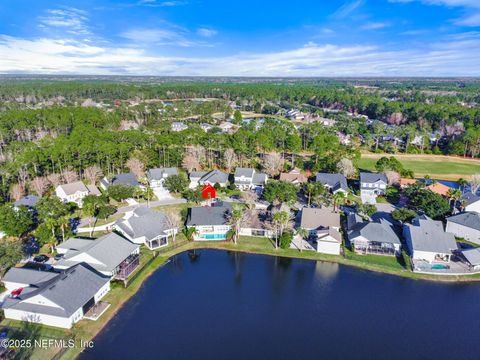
(436, 166)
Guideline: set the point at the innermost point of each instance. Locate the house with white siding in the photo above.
(471, 202)
(208, 178)
(333, 182)
(210, 222)
(75, 192)
(249, 179)
(465, 225)
(427, 241)
(58, 299)
(255, 223)
(146, 226)
(371, 186)
(323, 226)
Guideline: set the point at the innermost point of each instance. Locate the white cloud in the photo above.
(170, 35)
(155, 3)
(347, 8)
(375, 25)
(455, 56)
(70, 19)
(206, 32)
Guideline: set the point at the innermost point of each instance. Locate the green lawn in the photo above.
(439, 167)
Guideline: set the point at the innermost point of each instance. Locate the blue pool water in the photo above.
(214, 237)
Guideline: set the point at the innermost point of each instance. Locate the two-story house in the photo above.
(371, 186)
(333, 182)
(248, 179)
(75, 192)
(208, 178)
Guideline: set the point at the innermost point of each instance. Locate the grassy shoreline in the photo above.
(86, 330)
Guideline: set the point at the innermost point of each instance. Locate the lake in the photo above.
(223, 305)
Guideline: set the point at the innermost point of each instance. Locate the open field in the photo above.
(436, 166)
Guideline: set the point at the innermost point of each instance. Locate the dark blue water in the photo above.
(223, 305)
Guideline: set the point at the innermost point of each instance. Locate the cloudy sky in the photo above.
(241, 38)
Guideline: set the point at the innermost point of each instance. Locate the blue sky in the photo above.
(241, 38)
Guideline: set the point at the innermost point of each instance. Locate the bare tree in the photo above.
(17, 191)
(93, 173)
(136, 166)
(345, 166)
(230, 159)
(273, 163)
(250, 198)
(39, 184)
(475, 183)
(68, 175)
(174, 221)
(54, 179)
(190, 163)
(23, 176)
(393, 177)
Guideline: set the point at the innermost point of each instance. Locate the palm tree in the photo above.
(453, 195)
(304, 234)
(463, 183)
(148, 194)
(52, 225)
(280, 221)
(189, 232)
(309, 188)
(236, 217)
(338, 198)
(63, 222)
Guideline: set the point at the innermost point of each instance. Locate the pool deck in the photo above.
(456, 267)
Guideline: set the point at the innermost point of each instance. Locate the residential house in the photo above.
(156, 178)
(255, 224)
(470, 202)
(227, 127)
(472, 257)
(210, 222)
(111, 254)
(146, 226)
(58, 299)
(248, 179)
(179, 126)
(75, 192)
(206, 127)
(427, 241)
(294, 114)
(404, 182)
(371, 186)
(372, 237)
(128, 179)
(30, 201)
(439, 188)
(208, 178)
(465, 225)
(333, 182)
(322, 225)
(294, 177)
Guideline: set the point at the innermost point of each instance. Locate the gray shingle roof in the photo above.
(314, 218)
(29, 201)
(372, 177)
(381, 232)
(70, 290)
(122, 179)
(470, 198)
(28, 276)
(213, 177)
(144, 222)
(110, 250)
(333, 181)
(160, 173)
(468, 219)
(74, 187)
(209, 215)
(429, 235)
(246, 172)
(472, 256)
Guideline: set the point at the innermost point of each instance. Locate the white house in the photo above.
(372, 185)
(333, 182)
(75, 192)
(465, 225)
(248, 179)
(208, 178)
(178, 126)
(329, 241)
(58, 299)
(156, 178)
(146, 226)
(111, 255)
(210, 222)
(471, 202)
(427, 240)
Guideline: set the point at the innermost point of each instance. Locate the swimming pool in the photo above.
(214, 236)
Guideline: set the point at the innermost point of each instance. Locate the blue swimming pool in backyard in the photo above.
(213, 304)
(214, 236)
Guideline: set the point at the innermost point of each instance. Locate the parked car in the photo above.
(58, 257)
(40, 259)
